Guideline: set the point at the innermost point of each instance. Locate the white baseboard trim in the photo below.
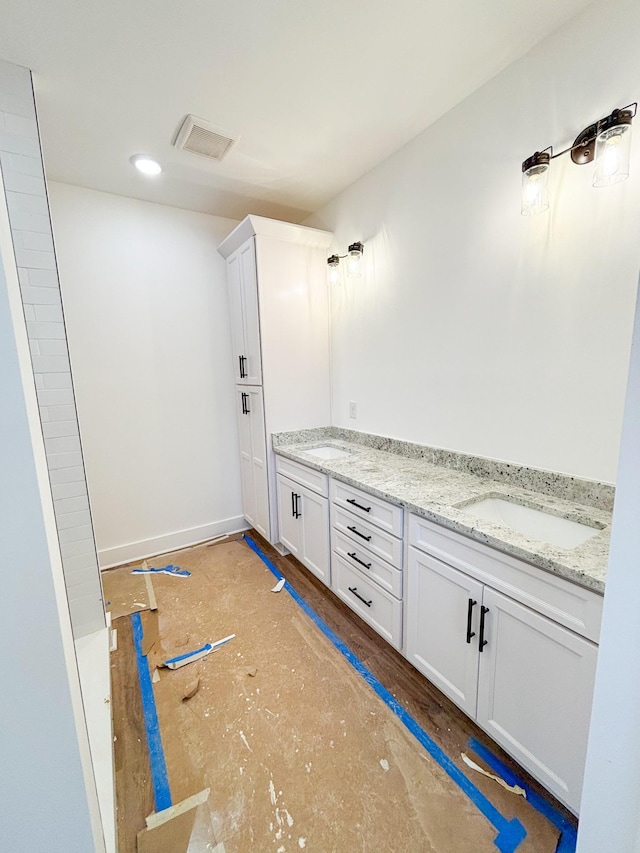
(110, 557)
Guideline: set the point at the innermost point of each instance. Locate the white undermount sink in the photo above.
(328, 451)
(536, 523)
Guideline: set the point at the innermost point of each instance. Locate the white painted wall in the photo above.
(47, 793)
(144, 295)
(475, 328)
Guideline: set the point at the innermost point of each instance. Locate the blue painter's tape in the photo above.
(161, 789)
(568, 838)
(165, 570)
(510, 832)
(206, 648)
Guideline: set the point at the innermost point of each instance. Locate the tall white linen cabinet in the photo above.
(279, 307)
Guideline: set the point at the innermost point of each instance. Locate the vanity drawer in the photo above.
(367, 535)
(309, 477)
(381, 610)
(567, 603)
(383, 514)
(383, 573)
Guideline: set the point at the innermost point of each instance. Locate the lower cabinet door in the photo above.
(443, 615)
(535, 689)
(288, 522)
(314, 547)
(377, 607)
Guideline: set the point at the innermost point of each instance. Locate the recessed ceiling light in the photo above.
(146, 165)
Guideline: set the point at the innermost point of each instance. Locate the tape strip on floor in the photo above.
(510, 832)
(160, 779)
(568, 837)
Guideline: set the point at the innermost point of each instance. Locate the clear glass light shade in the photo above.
(354, 263)
(613, 148)
(535, 189)
(333, 272)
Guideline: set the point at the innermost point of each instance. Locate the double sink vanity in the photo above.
(487, 577)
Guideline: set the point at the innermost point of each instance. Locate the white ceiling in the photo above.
(320, 91)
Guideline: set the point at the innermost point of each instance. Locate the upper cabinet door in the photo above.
(245, 322)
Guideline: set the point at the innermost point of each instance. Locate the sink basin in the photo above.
(535, 523)
(328, 451)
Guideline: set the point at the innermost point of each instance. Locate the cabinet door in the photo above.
(246, 457)
(234, 283)
(314, 552)
(535, 689)
(251, 318)
(439, 601)
(289, 524)
(259, 461)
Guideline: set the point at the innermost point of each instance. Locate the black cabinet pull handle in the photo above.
(245, 404)
(353, 502)
(363, 600)
(298, 513)
(293, 504)
(482, 642)
(357, 532)
(358, 560)
(470, 633)
(243, 374)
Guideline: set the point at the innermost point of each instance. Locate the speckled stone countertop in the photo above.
(438, 490)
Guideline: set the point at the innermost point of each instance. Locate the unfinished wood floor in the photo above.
(442, 721)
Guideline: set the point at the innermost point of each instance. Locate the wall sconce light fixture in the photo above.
(608, 141)
(354, 263)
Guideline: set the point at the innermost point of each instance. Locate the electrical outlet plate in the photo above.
(353, 410)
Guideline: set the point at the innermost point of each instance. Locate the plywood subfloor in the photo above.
(296, 748)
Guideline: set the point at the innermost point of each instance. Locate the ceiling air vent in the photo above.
(201, 137)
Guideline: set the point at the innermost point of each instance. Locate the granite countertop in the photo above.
(439, 493)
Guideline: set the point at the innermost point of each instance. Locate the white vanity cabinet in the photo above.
(512, 645)
(367, 558)
(277, 284)
(303, 516)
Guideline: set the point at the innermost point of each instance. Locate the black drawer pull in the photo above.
(357, 532)
(353, 502)
(242, 360)
(245, 404)
(482, 642)
(358, 560)
(293, 504)
(470, 633)
(297, 512)
(363, 600)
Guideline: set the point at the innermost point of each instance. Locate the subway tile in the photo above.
(44, 414)
(34, 260)
(39, 380)
(15, 104)
(40, 295)
(46, 331)
(73, 520)
(38, 222)
(34, 346)
(62, 444)
(44, 278)
(55, 397)
(78, 548)
(29, 312)
(26, 165)
(51, 364)
(84, 588)
(49, 347)
(63, 429)
(39, 242)
(23, 278)
(58, 381)
(72, 504)
(68, 490)
(75, 534)
(15, 143)
(26, 184)
(49, 313)
(55, 461)
(67, 475)
(83, 563)
(22, 125)
(17, 80)
(62, 413)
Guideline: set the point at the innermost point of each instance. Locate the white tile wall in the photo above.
(23, 175)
